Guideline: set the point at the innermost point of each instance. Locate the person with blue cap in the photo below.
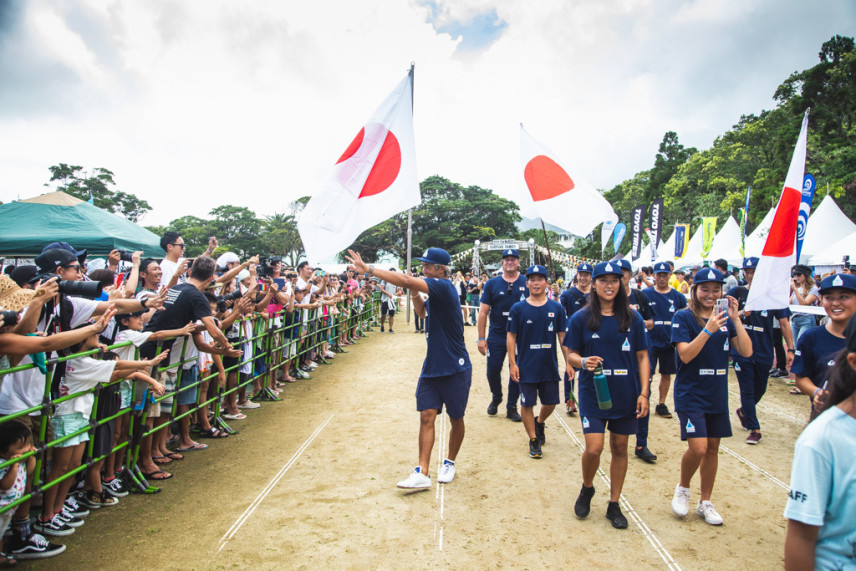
(752, 374)
(573, 299)
(446, 372)
(704, 336)
(818, 346)
(609, 338)
(534, 325)
(498, 295)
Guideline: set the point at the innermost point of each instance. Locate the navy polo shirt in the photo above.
(444, 331)
(500, 296)
(663, 306)
(537, 329)
(815, 354)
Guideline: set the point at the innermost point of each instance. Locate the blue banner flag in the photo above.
(805, 209)
(618, 236)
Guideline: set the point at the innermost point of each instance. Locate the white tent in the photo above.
(833, 255)
(727, 244)
(666, 251)
(826, 225)
(756, 240)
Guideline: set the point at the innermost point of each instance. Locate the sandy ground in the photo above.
(310, 482)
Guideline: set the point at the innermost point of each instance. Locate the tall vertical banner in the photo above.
(606, 233)
(771, 284)
(805, 209)
(618, 236)
(682, 240)
(655, 223)
(636, 222)
(744, 220)
(708, 233)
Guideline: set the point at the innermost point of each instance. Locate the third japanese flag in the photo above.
(569, 203)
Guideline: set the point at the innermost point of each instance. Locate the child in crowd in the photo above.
(15, 441)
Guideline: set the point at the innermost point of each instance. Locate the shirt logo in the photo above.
(626, 346)
(722, 371)
(461, 361)
(831, 362)
(528, 321)
(690, 426)
(676, 325)
(595, 336)
(726, 346)
(736, 367)
(837, 281)
(620, 372)
(550, 328)
(706, 372)
(551, 314)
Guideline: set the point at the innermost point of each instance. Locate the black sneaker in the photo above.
(381, 329)
(390, 330)
(513, 415)
(534, 448)
(114, 487)
(69, 519)
(54, 526)
(493, 407)
(35, 547)
(75, 508)
(613, 514)
(663, 410)
(582, 507)
(645, 454)
(539, 431)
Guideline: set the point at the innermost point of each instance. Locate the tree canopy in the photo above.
(97, 185)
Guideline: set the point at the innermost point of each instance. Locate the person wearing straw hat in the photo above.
(447, 372)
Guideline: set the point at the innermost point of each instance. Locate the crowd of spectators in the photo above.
(146, 358)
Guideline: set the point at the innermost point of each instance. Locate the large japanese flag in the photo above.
(770, 287)
(373, 180)
(569, 203)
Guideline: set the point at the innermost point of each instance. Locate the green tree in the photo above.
(73, 180)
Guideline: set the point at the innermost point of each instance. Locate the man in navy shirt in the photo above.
(446, 371)
(499, 294)
(752, 373)
(533, 326)
(573, 299)
(664, 301)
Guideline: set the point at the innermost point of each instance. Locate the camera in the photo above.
(89, 290)
(222, 300)
(9, 317)
(126, 256)
(266, 266)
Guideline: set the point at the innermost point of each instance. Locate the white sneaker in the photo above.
(416, 480)
(681, 501)
(313, 365)
(706, 510)
(249, 404)
(329, 354)
(446, 473)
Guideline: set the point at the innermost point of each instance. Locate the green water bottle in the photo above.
(601, 387)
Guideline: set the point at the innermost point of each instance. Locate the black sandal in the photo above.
(213, 433)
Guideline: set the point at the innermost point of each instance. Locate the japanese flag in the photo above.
(569, 203)
(373, 180)
(770, 287)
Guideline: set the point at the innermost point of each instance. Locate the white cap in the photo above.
(243, 274)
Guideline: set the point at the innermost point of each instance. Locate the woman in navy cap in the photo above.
(702, 337)
(818, 346)
(608, 334)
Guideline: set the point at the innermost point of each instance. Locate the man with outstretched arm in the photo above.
(446, 372)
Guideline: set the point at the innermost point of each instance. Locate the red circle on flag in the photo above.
(386, 166)
(546, 179)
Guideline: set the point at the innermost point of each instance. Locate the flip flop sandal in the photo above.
(175, 456)
(214, 433)
(795, 391)
(157, 475)
(197, 446)
(161, 460)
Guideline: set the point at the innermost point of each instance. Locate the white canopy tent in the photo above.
(826, 225)
(833, 255)
(726, 245)
(756, 240)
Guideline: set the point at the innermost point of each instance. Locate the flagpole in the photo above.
(409, 210)
(549, 252)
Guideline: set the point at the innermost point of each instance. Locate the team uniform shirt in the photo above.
(640, 300)
(82, 374)
(663, 306)
(618, 350)
(701, 386)
(823, 478)
(573, 300)
(815, 354)
(444, 331)
(184, 303)
(500, 296)
(537, 329)
(759, 326)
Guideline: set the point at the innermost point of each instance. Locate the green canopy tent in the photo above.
(27, 226)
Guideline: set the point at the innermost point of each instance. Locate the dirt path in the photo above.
(310, 482)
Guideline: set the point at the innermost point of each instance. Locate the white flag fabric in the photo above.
(606, 234)
(770, 287)
(569, 203)
(373, 180)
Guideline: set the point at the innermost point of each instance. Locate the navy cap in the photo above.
(510, 252)
(436, 256)
(750, 263)
(79, 254)
(50, 260)
(625, 265)
(536, 271)
(584, 267)
(706, 275)
(844, 281)
(662, 268)
(607, 268)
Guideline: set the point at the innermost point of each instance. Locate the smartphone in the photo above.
(722, 305)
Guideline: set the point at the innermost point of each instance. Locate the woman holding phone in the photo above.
(703, 335)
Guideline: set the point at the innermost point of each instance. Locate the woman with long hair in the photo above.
(803, 292)
(609, 336)
(821, 507)
(703, 335)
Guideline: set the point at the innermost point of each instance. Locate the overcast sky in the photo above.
(198, 104)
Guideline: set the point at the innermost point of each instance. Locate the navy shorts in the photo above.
(625, 425)
(188, 378)
(666, 356)
(451, 390)
(547, 391)
(702, 425)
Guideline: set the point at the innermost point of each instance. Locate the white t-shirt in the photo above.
(22, 390)
(82, 374)
(83, 310)
(169, 268)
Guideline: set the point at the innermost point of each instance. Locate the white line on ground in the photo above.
(441, 488)
(773, 409)
(628, 508)
(267, 489)
(757, 468)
